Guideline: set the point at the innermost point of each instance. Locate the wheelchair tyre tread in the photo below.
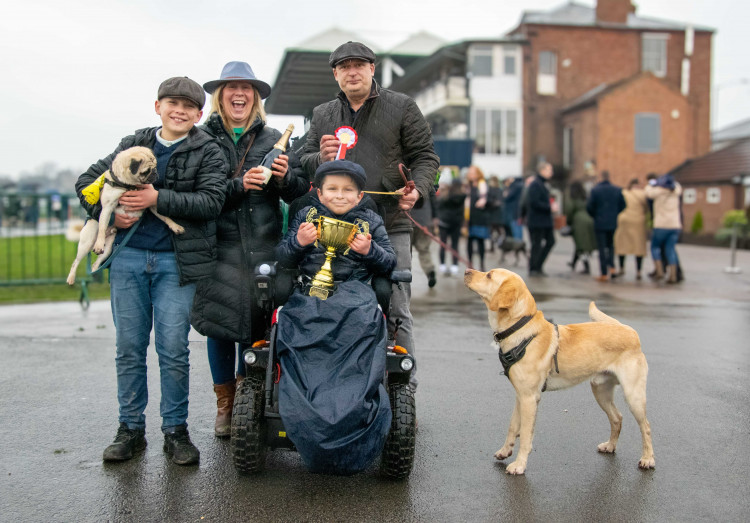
(398, 453)
(248, 426)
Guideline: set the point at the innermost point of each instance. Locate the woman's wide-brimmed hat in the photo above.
(236, 72)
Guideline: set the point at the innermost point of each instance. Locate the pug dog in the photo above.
(130, 168)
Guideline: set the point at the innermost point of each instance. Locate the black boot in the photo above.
(127, 442)
(586, 268)
(431, 280)
(178, 446)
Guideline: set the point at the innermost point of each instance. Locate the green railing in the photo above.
(34, 249)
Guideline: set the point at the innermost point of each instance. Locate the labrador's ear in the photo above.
(505, 296)
(134, 166)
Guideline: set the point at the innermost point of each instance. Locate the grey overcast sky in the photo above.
(78, 75)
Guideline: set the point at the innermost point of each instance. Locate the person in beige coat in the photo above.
(665, 193)
(630, 236)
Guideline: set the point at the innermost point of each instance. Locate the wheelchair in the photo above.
(256, 423)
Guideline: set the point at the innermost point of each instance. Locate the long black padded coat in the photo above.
(391, 130)
(249, 228)
(192, 195)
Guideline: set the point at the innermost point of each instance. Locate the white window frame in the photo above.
(481, 50)
(504, 144)
(546, 78)
(689, 196)
(713, 195)
(651, 60)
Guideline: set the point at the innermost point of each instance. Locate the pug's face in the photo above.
(134, 166)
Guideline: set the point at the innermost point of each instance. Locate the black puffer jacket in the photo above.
(309, 259)
(391, 130)
(192, 195)
(249, 228)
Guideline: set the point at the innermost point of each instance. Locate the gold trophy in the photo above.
(335, 235)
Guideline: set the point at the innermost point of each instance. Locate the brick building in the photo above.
(587, 104)
(715, 183)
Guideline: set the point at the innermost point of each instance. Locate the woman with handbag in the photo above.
(248, 228)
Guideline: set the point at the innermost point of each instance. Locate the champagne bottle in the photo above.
(278, 149)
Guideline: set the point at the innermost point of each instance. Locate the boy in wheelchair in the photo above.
(332, 352)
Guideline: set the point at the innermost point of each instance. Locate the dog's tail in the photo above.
(597, 315)
(73, 232)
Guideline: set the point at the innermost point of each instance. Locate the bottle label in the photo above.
(267, 173)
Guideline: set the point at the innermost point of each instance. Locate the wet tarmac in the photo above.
(59, 410)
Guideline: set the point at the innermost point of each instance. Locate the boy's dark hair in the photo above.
(342, 168)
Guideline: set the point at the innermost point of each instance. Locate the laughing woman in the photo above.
(248, 228)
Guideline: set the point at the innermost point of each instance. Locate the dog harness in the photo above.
(514, 355)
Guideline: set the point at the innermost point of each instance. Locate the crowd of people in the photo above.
(614, 222)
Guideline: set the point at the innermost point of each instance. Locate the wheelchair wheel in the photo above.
(248, 426)
(398, 453)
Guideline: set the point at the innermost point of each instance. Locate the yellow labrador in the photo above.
(543, 356)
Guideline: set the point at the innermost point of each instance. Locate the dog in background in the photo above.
(130, 168)
(512, 245)
(603, 351)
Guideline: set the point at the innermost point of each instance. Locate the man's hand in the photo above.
(307, 234)
(329, 146)
(361, 244)
(280, 166)
(125, 221)
(141, 199)
(407, 201)
(253, 179)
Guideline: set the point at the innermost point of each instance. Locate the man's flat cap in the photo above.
(351, 51)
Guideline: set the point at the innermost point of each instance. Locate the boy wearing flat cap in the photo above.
(339, 193)
(153, 271)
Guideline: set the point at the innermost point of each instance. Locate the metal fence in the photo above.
(34, 249)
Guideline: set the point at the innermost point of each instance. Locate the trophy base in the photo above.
(320, 292)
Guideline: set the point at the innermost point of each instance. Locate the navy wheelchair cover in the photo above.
(332, 400)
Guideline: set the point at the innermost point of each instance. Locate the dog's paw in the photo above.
(503, 453)
(606, 448)
(98, 247)
(646, 463)
(71, 279)
(516, 469)
(177, 229)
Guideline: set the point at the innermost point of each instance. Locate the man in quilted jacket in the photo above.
(391, 130)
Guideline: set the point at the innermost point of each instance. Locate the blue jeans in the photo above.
(146, 291)
(665, 239)
(221, 360)
(516, 229)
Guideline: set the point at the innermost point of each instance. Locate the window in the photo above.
(654, 53)
(713, 195)
(689, 196)
(546, 80)
(480, 60)
(509, 61)
(568, 147)
(647, 133)
(495, 131)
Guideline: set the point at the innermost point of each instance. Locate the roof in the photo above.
(304, 79)
(583, 15)
(717, 166)
(593, 96)
(735, 131)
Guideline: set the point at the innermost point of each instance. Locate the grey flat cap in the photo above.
(182, 87)
(351, 51)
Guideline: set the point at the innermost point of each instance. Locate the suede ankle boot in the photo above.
(672, 274)
(658, 273)
(224, 403)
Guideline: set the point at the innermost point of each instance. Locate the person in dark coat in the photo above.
(512, 200)
(581, 225)
(248, 228)
(391, 130)
(450, 219)
(153, 272)
(604, 204)
(478, 215)
(498, 226)
(538, 213)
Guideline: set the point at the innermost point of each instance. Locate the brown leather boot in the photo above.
(672, 274)
(658, 273)
(224, 403)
